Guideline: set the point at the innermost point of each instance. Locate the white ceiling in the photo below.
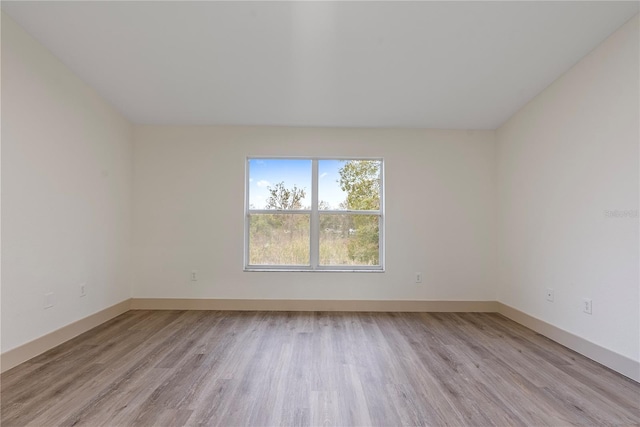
(456, 65)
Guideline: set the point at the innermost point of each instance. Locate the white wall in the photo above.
(66, 190)
(564, 161)
(189, 201)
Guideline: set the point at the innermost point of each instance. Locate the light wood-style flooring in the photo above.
(172, 368)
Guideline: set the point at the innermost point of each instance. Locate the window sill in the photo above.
(294, 270)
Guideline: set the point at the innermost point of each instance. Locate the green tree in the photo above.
(281, 198)
(360, 179)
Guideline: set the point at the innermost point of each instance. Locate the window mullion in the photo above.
(279, 212)
(314, 250)
(247, 240)
(381, 219)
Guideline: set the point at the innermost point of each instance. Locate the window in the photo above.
(314, 214)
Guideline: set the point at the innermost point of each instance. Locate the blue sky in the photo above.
(268, 172)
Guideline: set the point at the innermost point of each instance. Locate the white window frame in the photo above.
(314, 232)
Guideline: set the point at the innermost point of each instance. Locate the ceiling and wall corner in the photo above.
(66, 194)
(437, 65)
(568, 188)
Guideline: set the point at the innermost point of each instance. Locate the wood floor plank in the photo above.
(204, 368)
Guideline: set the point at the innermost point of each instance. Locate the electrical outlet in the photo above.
(550, 294)
(83, 289)
(48, 300)
(587, 306)
(194, 275)
(418, 277)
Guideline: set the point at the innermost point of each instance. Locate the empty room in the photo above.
(320, 213)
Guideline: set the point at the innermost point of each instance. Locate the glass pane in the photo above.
(349, 184)
(279, 239)
(349, 239)
(279, 184)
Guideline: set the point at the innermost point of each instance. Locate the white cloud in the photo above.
(322, 175)
(250, 179)
(263, 183)
(257, 202)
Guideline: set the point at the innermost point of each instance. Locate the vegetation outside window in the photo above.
(314, 214)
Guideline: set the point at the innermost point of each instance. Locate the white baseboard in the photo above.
(311, 305)
(20, 354)
(615, 361)
(619, 363)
